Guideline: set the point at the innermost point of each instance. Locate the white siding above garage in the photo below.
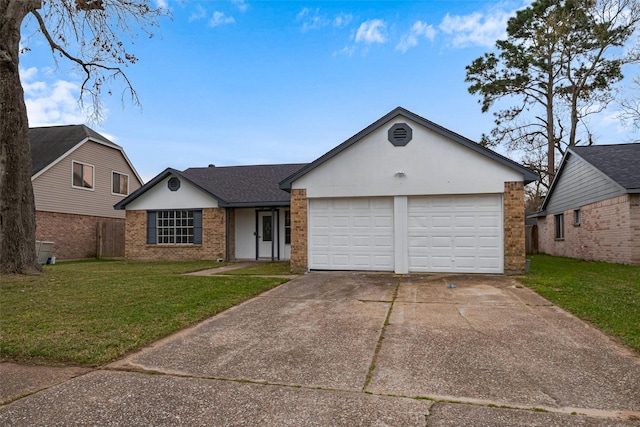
(429, 164)
(351, 234)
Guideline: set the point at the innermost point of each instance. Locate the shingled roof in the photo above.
(244, 185)
(231, 186)
(620, 162)
(50, 143)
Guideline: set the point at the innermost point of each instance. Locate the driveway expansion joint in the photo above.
(374, 359)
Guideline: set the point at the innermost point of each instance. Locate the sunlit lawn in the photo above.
(90, 313)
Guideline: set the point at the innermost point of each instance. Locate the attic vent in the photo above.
(173, 184)
(400, 134)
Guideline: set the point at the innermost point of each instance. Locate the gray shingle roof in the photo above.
(620, 162)
(244, 185)
(49, 143)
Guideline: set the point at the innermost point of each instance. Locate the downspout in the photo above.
(278, 227)
(273, 240)
(256, 234)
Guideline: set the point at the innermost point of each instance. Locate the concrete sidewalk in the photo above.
(362, 349)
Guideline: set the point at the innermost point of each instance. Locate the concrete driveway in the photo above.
(332, 349)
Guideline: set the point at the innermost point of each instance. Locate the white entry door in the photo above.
(266, 234)
(455, 234)
(351, 234)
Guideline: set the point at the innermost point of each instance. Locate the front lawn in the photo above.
(606, 295)
(91, 313)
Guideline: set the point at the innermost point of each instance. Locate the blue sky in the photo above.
(252, 82)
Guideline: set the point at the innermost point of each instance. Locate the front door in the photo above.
(265, 234)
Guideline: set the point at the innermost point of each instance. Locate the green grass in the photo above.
(280, 268)
(91, 313)
(606, 295)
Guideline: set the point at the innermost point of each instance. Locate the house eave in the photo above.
(122, 204)
(528, 175)
(278, 204)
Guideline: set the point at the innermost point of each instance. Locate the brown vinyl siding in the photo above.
(54, 192)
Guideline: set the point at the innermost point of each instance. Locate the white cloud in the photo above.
(347, 50)
(372, 31)
(51, 103)
(419, 29)
(314, 19)
(198, 14)
(219, 18)
(342, 20)
(241, 5)
(477, 29)
(163, 4)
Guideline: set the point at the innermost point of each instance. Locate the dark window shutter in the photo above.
(152, 231)
(197, 227)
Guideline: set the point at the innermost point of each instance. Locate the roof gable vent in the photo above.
(400, 134)
(173, 184)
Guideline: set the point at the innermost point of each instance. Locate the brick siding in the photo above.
(514, 233)
(609, 231)
(74, 236)
(299, 238)
(213, 245)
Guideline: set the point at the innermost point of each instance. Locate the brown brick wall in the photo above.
(608, 231)
(212, 247)
(232, 234)
(634, 222)
(299, 238)
(74, 236)
(514, 235)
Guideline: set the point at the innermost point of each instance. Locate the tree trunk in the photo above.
(17, 206)
(551, 137)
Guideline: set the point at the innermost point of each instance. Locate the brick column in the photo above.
(299, 238)
(514, 234)
(634, 225)
(135, 234)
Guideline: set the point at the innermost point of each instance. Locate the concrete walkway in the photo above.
(362, 350)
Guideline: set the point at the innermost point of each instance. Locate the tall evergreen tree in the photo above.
(558, 65)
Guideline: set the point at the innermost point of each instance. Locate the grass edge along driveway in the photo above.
(89, 313)
(605, 295)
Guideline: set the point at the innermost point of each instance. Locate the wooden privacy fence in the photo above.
(531, 239)
(110, 239)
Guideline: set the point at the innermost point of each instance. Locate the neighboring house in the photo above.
(403, 195)
(592, 209)
(77, 176)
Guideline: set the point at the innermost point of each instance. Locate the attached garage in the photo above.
(455, 234)
(440, 234)
(351, 234)
(407, 195)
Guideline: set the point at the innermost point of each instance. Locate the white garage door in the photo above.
(455, 234)
(351, 234)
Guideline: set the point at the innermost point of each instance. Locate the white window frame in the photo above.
(173, 228)
(93, 175)
(559, 226)
(119, 173)
(577, 217)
